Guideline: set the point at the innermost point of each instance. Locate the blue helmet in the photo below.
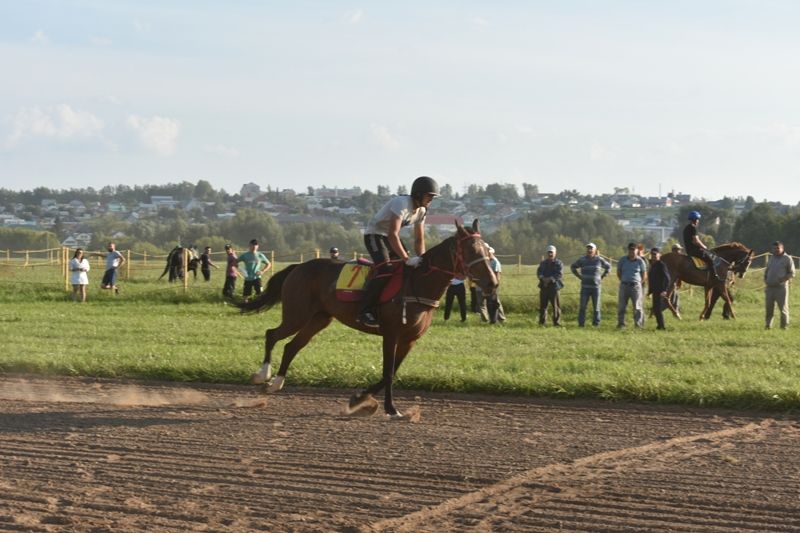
(694, 215)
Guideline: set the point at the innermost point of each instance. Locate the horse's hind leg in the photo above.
(285, 329)
(317, 323)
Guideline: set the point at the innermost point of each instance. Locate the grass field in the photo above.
(154, 330)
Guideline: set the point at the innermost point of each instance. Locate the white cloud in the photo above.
(141, 26)
(599, 152)
(159, 134)
(354, 17)
(40, 38)
(60, 122)
(222, 150)
(480, 22)
(99, 41)
(383, 137)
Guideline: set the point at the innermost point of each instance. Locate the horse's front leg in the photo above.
(365, 402)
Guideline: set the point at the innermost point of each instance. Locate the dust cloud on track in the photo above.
(103, 455)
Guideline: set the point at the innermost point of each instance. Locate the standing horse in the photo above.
(307, 294)
(736, 259)
(175, 263)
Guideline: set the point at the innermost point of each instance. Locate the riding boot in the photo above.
(372, 292)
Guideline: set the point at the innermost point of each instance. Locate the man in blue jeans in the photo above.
(632, 274)
(591, 269)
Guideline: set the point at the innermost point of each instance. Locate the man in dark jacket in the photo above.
(550, 274)
(659, 283)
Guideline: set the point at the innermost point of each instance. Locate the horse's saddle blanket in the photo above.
(699, 264)
(353, 277)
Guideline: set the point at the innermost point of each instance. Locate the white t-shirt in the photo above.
(402, 206)
(79, 270)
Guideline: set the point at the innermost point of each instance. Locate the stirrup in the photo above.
(368, 318)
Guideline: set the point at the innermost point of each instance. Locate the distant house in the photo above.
(445, 224)
(249, 192)
(325, 192)
(164, 201)
(116, 207)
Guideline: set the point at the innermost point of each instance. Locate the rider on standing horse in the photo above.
(382, 239)
(695, 247)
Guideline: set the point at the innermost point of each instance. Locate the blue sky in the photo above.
(694, 96)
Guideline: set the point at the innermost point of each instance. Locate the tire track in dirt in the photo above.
(199, 457)
(575, 496)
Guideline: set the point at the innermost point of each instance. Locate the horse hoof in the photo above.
(397, 415)
(257, 379)
(362, 405)
(276, 385)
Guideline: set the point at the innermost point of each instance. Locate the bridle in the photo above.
(461, 270)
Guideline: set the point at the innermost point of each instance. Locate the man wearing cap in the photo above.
(256, 265)
(658, 278)
(591, 269)
(231, 271)
(550, 274)
(334, 252)
(495, 307)
(632, 274)
(780, 269)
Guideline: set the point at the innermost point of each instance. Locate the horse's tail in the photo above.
(271, 295)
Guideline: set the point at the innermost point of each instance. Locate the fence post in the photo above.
(519, 264)
(272, 261)
(185, 261)
(144, 258)
(27, 257)
(316, 251)
(65, 266)
(301, 257)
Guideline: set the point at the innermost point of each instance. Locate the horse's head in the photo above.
(737, 255)
(472, 258)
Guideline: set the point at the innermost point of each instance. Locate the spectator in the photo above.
(675, 299)
(456, 290)
(334, 253)
(79, 266)
(659, 283)
(114, 260)
(590, 269)
(632, 274)
(206, 263)
(550, 274)
(231, 271)
(780, 269)
(492, 304)
(473, 295)
(256, 265)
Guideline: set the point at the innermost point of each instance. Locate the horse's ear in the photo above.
(475, 226)
(459, 227)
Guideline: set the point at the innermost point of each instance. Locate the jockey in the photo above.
(382, 239)
(695, 247)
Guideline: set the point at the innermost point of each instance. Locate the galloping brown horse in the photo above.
(736, 258)
(307, 294)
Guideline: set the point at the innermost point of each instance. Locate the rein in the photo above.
(460, 269)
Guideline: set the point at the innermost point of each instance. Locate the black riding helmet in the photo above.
(424, 185)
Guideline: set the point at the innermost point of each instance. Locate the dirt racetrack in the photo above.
(92, 455)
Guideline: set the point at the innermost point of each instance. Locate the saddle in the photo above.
(354, 275)
(699, 264)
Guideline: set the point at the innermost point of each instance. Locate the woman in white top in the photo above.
(79, 266)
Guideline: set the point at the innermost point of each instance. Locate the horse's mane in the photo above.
(732, 246)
